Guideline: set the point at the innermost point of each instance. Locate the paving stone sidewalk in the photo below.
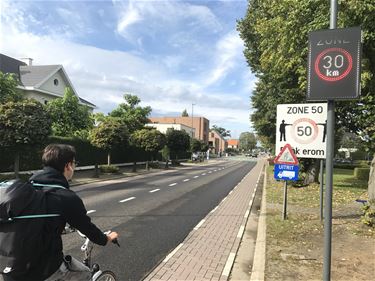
(209, 251)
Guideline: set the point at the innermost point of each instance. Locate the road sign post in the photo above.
(286, 168)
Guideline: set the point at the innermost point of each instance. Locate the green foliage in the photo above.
(276, 35)
(23, 123)
(362, 173)
(69, 117)
(177, 141)
(196, 145)
(8, 88)
(109, 169)
(165, 153)
(204, 146)
(150, 140)
(223, 132)
(247, 141)
(133, 115)
(109, 133)
(184, 113)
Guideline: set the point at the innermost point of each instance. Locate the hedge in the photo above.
(87, 154)
(362, 173)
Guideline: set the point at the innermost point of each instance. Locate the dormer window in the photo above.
(56, 82)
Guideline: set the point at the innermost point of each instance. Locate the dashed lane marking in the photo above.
(172, 184)
(152, 191)
(127, 199)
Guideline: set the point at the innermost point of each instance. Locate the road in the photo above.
(153, 214)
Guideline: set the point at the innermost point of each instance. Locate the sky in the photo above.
(171, 54)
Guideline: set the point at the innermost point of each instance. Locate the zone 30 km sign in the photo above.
(334, 64)
(304, 127)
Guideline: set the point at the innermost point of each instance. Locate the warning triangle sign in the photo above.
(286, 156)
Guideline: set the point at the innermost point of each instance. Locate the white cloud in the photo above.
(102, 76)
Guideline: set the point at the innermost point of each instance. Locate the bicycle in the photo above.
(96, 273)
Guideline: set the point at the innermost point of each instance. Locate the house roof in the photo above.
(233, 142)
(34, 76)
(10, 65)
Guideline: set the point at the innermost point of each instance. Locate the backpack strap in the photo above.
(51, 186)
(47, 185)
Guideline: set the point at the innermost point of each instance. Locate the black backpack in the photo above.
(23, 214)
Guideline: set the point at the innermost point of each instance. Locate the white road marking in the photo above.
(214, 209)
(210, 172)
(230, 192)
(196, 177)
(199, 224)
(224, 199)
(203, 174)
(127, 199)
(152, 191)
(229, 264)
(186, 180)
(173, 252)
(90, 212)
(215, 170)
(240, 232)
(246, 214)
(173, 184)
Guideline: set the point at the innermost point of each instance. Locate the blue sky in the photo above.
(169, 53)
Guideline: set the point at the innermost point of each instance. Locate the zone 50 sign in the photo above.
(303, 127)
(334, 64)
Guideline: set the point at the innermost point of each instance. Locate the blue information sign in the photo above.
(286, 172)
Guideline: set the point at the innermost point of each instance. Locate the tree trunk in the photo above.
(109, 158)
(371, 181)
(17, 164)
(312, 174)
(147, 167)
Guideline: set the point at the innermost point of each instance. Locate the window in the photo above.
(56, 82)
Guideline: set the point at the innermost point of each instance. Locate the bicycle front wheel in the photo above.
(106, 276)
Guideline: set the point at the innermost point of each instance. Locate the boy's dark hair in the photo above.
(58, 155)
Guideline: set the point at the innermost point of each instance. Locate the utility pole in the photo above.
(192, 120)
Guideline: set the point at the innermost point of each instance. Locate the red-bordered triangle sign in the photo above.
(286, 156)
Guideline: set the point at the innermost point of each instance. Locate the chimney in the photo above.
(30, 60)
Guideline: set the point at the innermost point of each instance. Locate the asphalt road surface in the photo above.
(153, 214)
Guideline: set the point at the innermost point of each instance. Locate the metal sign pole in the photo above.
(321, 180)
(329, 169)
(285, 199)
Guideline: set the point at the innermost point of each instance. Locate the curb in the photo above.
(257, 272)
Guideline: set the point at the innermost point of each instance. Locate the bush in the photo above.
(362, 173)
(109, 169)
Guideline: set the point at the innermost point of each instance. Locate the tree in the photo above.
(8, 88)
(196, 145)
(177, 141)
(184, 113)
(108, 134)
(150, 140)
(247, 141)
(69, 118)
(223, 132)
(23, 124)
(133, 115)
(276, 35)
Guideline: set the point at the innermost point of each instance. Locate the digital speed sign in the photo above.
(334, 64)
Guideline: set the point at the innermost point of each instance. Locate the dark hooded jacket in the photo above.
(70, 206)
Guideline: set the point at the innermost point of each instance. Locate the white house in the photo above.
(41, 82)
(163, 127)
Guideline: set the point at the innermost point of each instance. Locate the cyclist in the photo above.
(59, 164)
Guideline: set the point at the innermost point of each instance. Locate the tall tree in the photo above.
(8, 88)
(184, 113)
(150, 140)
(221, 131)
(177, 141)
(23, 124)
(247, 141)
(131, 113)
(109, 133)
(276, 36)
(69, 117)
